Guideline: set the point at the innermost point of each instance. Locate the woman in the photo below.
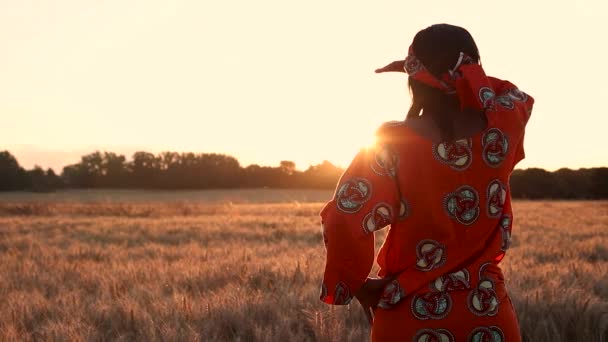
(440, 179)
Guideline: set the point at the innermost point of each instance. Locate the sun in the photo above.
(370, 142)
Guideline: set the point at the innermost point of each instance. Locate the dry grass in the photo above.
(180, 272)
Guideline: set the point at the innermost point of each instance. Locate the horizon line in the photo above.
(242, 165)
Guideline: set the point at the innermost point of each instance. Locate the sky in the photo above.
(266, 81)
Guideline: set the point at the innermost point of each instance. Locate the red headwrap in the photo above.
(467, 80)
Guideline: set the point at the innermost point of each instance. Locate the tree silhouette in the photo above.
(114, 170)
(288, 167)
(12, 176)
(145, 169)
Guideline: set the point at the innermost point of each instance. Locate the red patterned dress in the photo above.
(448, 206)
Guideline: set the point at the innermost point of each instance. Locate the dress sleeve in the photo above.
(366, 200)
(525, 113)
(520, 154)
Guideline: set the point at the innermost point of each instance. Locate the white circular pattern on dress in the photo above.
(459, 280)
(517, 95)
(457, 154)
(352, 194)
(497, 196)
(495, 147)
(483, 300)
(487, 334)
(433, 335)
(486, 97)
(391, 295)
(385, 162)
(380, 217)
(463, 205)
(506, 99)
(505, 102)
(505, 229)
(431, 305)
(430, 255)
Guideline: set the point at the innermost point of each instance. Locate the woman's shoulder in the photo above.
(509, 99)
(391, 132)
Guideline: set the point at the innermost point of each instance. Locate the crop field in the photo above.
(247, 267)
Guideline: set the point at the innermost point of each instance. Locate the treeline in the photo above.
(167, 170)
(564, 183)
(170, 170)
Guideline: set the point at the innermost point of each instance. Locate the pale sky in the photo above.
(267, 81)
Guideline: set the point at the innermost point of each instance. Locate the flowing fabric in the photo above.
(448, 205)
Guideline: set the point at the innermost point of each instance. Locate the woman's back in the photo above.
(449, 208)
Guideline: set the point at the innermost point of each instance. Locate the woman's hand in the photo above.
(369, 295)
(396, 66)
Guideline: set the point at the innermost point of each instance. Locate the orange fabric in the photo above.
(449, 209)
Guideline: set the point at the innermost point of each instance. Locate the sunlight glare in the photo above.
(370, 142)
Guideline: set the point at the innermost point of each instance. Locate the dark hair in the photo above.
(438, 48)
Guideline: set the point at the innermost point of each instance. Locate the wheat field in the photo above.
(205, 271)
